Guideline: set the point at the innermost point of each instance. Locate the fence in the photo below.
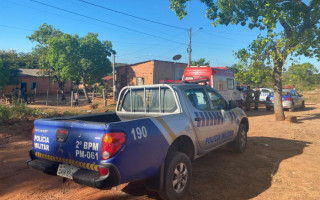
(44, 97)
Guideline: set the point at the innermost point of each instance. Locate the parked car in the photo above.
(291, 100)
(155, 133)
(264, 93)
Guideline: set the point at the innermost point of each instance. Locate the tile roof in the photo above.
(30, 72)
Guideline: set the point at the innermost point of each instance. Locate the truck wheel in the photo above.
(292, 108)
(303, 106)
(240, 143)
(268, 108)
(177, 176)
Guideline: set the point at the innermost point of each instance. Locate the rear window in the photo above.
(283, 93)
(149, 102)
(265, 91)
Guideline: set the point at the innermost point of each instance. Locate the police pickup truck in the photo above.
(154, 135)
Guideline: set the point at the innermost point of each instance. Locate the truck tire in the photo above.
(240, 143)
(177, 176)
(268, 108)
(292, 108)
(303, 107)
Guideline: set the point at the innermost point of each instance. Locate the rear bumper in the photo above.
(285, 104)
(82, 176)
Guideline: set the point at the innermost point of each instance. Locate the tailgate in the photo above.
(76, 143)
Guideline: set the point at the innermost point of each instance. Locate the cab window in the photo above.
(218, 102)
(151, 102)
(138, 101)
(168, 103)
(198, 99)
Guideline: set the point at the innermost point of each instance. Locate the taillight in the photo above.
(111, 144)
(288, 99)
(61, 135)
(32, 135)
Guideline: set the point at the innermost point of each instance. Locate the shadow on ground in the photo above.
(309, 117)
(221, 174)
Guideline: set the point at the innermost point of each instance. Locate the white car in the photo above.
(264, 93)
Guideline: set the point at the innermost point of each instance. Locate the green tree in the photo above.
(28, 60)
(93, 63)
(256, 75)
(70, 57)
(4, 75)
(298, 73)
(43, 36)
(8, 68)
(297, 31)
(200, 62)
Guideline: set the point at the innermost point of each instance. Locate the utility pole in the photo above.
(113, 79)
(189, 48)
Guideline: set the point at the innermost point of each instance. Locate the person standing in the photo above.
(33, 91)
(249, 98)
(76, 99)
(256, 98)
(238, 95)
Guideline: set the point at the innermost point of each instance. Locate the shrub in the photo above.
(100, 90)
(18, 111)
(4, 113)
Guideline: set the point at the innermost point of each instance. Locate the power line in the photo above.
(102, 21)
(212, 34)
(148, 20)
(152, 46)
(13, 27)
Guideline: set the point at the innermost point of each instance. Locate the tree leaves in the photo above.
(200, 62)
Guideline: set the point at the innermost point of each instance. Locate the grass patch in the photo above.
(17, 112)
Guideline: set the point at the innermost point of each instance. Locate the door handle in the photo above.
(198, 119)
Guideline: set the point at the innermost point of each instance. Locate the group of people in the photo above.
(17, 94)
(250, 94)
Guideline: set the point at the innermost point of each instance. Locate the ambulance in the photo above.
(219, 78)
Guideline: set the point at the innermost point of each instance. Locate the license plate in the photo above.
(66, 171)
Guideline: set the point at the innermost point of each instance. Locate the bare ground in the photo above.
(282, 162)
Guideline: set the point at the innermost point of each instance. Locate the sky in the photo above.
(133, 39)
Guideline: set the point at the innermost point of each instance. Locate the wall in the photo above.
(127, 75)
(43, 85)
(167, 70)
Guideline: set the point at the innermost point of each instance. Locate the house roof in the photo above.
(150, 61)
(30, 72)
(107, 78)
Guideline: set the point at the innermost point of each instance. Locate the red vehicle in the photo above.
(219, 78)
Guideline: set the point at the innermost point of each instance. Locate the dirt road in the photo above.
(282, 162)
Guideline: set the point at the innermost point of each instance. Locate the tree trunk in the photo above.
(277, 87)
(85, 90)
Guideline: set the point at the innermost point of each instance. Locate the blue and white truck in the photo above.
(155, 133)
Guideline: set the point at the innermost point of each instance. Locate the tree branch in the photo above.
(287, 28)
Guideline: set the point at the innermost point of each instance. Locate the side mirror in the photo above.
(232, 104)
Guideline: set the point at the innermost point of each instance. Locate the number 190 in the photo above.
(139, 133)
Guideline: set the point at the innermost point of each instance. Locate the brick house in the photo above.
(31, 78)
(148, 72)
(108, 81)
